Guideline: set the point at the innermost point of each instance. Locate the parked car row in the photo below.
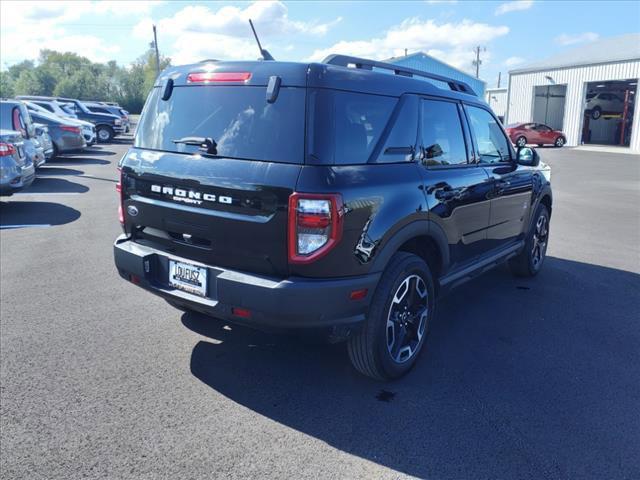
(34, 129)
(108, 123)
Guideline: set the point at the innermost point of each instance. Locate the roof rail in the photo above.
(363, 63)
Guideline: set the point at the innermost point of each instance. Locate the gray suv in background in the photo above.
(15, 116)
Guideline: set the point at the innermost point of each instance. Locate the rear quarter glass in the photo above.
(344, 127)
(238, 118)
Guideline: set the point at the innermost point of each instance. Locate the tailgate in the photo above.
(223, 212)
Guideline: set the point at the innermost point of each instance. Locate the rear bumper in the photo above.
(291, 303)
(70, 143)
(14, 183)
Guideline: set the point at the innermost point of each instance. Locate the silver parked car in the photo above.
(16, 170)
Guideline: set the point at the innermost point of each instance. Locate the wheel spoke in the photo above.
(398, 344)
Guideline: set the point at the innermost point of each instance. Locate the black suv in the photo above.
(342, 196)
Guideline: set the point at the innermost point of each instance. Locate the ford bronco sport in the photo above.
(342, 196)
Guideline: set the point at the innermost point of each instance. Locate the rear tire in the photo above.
(529, 262)
(105, 134)
(559, 142)
(397, 324)
(521, 141)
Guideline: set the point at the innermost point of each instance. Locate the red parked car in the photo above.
(522, 134)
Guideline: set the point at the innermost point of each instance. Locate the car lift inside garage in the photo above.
(608, 112)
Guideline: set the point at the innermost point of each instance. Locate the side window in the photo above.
(491, 144)
(400, 143)
(441, 134)
(344, 127)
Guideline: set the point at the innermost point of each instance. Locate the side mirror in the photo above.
(528, 156)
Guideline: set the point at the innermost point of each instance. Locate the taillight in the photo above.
(6, 149)
(315, 225)
(68, 128)
(207, 77)
(120, 193)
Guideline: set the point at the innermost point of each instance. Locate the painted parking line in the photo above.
(47, 193)
(33, 225)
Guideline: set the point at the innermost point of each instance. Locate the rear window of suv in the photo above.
(238, 118)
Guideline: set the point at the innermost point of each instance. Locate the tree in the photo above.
(6, 85)
(70, 75)
(37, 81)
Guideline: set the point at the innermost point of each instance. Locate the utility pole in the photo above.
(155, 45)
(477, 61)
(499, 74)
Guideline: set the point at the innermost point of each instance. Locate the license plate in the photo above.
(189, 278)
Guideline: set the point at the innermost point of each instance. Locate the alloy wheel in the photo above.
(407, 318)
(540, 236)
(103, 134)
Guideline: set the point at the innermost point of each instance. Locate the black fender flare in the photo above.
(544, 192)
(418, 228)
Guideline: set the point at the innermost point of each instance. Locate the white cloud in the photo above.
(449, 42)
(434, 2)
(514, 61)
(197, 31)
(567, 39)
(35, 25)
(513, 6)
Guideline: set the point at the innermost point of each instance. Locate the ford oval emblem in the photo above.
(132, 210)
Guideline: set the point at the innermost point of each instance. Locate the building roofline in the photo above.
(496, 89)
(569, 65)
(390, 60)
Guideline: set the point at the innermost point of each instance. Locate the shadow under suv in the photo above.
(342, 196)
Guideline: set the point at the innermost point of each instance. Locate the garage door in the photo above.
(548, 107)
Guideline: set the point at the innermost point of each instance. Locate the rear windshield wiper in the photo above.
(206, 144)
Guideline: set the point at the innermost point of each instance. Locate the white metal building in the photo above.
(497, 100)
(588, 92)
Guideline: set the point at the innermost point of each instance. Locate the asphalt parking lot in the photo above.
(521, 378)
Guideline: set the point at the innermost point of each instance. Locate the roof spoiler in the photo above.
(365, 64)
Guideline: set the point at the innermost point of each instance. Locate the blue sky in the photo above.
(513, 32)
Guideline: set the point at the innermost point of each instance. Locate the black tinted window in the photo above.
(400, 143)
(441, 133)
(344, 127)
(237, 118)
(491, 144)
